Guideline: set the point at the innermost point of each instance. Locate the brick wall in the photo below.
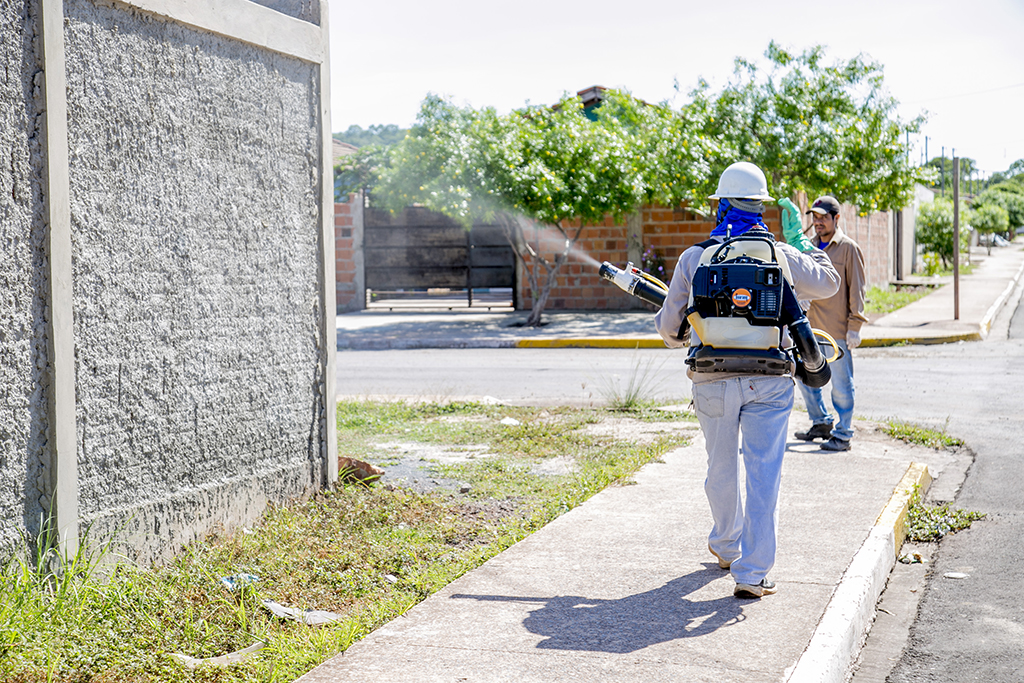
(347, 231)
(669, 231)
(874, 234)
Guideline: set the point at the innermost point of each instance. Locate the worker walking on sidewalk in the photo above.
(742, 370)
(842, 316)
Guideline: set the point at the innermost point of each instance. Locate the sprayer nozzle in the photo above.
(608, 271)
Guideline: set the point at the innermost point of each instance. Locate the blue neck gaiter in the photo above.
(740, 220)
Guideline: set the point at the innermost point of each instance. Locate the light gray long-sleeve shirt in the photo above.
(814, 277)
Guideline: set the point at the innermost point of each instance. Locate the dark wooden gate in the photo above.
(420, 256)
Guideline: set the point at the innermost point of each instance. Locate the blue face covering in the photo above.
(741, 221)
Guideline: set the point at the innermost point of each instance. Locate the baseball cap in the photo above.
(824, 205)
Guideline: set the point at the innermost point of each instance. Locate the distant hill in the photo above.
(374, 135)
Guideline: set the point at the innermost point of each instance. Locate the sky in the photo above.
(961, 63)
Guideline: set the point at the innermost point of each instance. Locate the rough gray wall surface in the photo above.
(195, 169)
(23, 333)
(307, 10)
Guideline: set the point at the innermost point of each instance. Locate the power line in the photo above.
(966, 94)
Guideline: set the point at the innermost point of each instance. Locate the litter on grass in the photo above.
(310, 617)
(223, 660)
(236, 581)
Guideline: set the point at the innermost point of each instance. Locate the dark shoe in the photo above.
(722, 562)
(835, 444)
(745, 590)
(819, 431)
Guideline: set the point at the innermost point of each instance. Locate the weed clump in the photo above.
(927, 523)
(922, 436)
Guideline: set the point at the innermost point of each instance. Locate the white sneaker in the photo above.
(745, 590)
(722, 562)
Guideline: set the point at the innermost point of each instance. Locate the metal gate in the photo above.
(420, 258)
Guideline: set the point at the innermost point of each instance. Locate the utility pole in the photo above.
(942, 171)
(956, 238)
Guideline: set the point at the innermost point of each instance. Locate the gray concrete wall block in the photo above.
(195, 206)
(23, 323)
(306, 10)
(152, 531)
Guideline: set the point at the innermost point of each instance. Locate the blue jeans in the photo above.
(842, 397)
(756, 409)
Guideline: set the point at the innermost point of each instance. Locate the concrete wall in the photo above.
(23, 324)
(911, 261)
(198, 201)
(306, 10)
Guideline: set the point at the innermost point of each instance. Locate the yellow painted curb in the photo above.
(946, 339)
(894, 515)
(592, 343)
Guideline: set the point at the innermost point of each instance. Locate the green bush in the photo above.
(935, 228)
(990, 219)
(1008, 196)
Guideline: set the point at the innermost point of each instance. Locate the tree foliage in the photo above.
(941, 176)
(1008, 195)
(823, 128)
(813, 126)
(549, 165)
(989, 219)
(935, 228)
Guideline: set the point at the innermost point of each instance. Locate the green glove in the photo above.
(792, 226)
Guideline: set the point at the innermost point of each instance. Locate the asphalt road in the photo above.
(968, 629)
(517, 376)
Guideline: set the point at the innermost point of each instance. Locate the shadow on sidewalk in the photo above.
(631, 623)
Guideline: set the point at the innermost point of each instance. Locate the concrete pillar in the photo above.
(328, 309)
(63, 451)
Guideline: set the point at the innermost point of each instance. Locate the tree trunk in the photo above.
(539, 302)
(514, 229)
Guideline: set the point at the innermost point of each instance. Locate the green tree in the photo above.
(823, 128)
(989, 219)
(1009, 195)
(551, 167)
(811, 126)
(1015, 174)
(942, 173)
(935, 228)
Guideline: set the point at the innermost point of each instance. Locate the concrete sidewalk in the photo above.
(623, 587)
(929, 320)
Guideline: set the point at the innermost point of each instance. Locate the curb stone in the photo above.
(848, 617)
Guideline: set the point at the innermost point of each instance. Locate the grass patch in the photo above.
(883, 300)
(923, 436)
(366, 553)
(926, 523)
(638, 390)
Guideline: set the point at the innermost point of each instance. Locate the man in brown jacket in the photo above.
(841, 315)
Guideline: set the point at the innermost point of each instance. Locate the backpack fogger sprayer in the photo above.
(741, 298)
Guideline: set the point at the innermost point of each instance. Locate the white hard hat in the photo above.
(742, 180)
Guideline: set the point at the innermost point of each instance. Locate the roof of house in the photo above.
(341, 149)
